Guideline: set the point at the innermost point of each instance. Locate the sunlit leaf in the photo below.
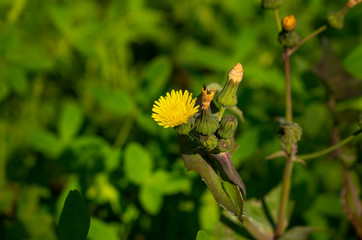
(71, 119)
(202, 235)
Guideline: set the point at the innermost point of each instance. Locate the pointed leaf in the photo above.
(229, 169)
(298, 233)
(74, 220)
(202, 235)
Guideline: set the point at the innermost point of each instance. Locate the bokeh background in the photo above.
(77, 84)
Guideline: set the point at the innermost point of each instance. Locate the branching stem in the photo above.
(331, 148)
(313, 34)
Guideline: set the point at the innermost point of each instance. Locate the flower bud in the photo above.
(288, 39)
(206, 123)
(185, 128)
(271, 4)
(335, 19)
(290, 133)
(223, 145)
(228, 97)
(352, 3)
(289, 23)
(228, 125)
(209, 142)
(206, 98)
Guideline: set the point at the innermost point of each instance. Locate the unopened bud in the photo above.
(288, 39)
(185, 128)
(290, 133)
(335, 19)
(228, 125)
(228, 97)
(271, 4)
(206, 123)
(289, 23)
(223, 145)
(206, 98)
(352, 3)
(209, 142)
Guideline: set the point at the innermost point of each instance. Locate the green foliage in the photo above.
(77, 84)
(74, 220)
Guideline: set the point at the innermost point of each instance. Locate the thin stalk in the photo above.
(277, 20)
(283, 203)
(222, 111)
(313, 34)
(331, 148)
(124, 131)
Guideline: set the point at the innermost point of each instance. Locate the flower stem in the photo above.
(283, 203)
(331, 148)
(313, 34)
(277, 20)
(221, 113)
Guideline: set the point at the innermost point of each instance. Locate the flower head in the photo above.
(207, 97)
(174, 109)
(289, 23)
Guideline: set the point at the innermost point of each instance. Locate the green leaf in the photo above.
(202, 235)
(100, 230)
(74, 220)
(71, 119)
(137, 163)
(197, 160)
(254, 212)
(352, 62)
(115, 101)
(299, 233)
(45, 142)
(156, 76)
(150, 200)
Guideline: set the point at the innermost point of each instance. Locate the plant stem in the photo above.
(288, 88)
(283, 203)
(313, 34)
(221, 113)
(254, 230)
(277, 20)
(331, 148)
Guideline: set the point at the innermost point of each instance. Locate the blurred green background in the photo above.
(77, 84)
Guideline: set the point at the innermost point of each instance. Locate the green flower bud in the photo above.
(335, 19)
(209, 142)
(288, 39)
(206, 123)
(228, 125)
(228, 97)
(185, 128)
(271, 4)
(290, 133)
(223, 145)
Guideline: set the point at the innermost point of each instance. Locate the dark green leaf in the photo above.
(352, 62)
(74, 220)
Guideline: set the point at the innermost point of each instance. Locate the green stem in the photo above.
(331, 148)
(254, 230)
(221, 113)
(313, 34)
(283, 203)
(124, 131)
(277, 20)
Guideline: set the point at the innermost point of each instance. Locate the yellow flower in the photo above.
(174, 109)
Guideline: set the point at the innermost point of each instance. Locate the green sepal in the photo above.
(288, 39)
(206, 123)
(335, 19)
(209, 142)
(228, 96)
(228, 125)
(185, 128)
